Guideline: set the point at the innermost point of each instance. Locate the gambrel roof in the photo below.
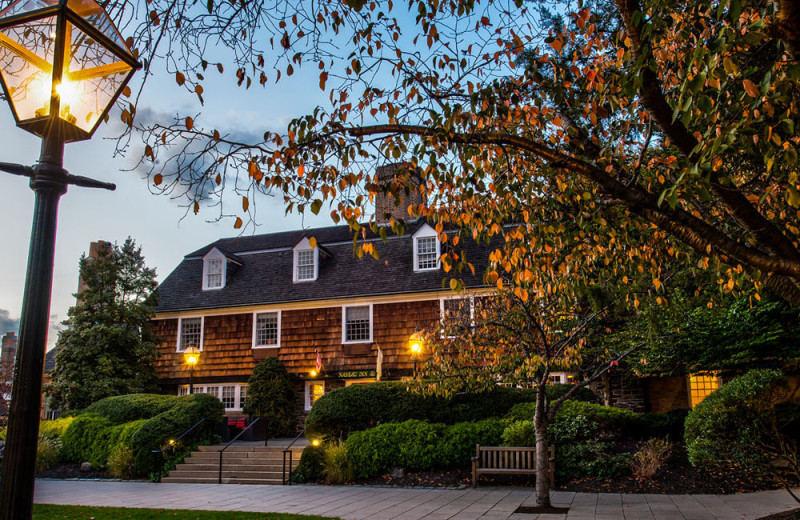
(265, 274)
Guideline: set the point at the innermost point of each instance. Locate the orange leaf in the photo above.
(189, 123)
(312, 242)
(245, 203)
(238, 223)
(180, 79)
(126, 91)
(301, 170)
(157, 178)
(751, 88)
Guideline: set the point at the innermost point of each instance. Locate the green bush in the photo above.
(121, 462)
(663, 425)
(590, 458)
(47, 452)
(55, 429)
(132, 407)
(185, 413)
(337, 466)
(270, 396)
(733, 423)
(519, 433)
(309, 469)
(419, 446)
(84, 437)
(359, 407)
(609, 420)
(556, 390)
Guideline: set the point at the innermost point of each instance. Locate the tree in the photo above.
(667, 122)
(270, 397)
(506, 338)
(108, 347)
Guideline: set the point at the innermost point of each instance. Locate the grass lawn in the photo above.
(53, 512)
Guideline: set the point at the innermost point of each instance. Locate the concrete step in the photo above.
(234, 459)
(255, 449)
(191, 480)
(214, 474)
(229, 467)
(240, 465)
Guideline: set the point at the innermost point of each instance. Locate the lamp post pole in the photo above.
(191, 379)
(49, 182)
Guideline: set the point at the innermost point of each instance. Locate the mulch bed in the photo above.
(64, 471)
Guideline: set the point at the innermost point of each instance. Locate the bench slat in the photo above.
(508, 460)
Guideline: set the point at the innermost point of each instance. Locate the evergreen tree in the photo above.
(108, 347)
(270, 396)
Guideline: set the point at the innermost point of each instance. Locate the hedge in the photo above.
(418, 446)
(131, 407)
(359, 407)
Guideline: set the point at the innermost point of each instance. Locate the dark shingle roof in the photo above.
(265, 274)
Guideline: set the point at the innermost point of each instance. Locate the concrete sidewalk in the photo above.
(362, 502)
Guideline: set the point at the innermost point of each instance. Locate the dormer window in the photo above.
(306, 262)
(427, 249)
(214, 270)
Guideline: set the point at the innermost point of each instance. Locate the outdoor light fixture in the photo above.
(313, 373)
(315, 442)
(192, 356)
(62, 66)
(415, 346)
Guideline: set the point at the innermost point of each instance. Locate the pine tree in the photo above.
(108, 347)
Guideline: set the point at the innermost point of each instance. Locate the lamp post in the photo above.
(192, 356)
(62, 66)
(415, 346)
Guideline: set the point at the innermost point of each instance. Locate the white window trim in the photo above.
(201, 389)
(471, 312)
(214, 254)
(255, 323)
(202, 332)
(307, 395)
(425, 232)
(344, 324)
(304, 246)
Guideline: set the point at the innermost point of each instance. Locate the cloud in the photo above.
(6, 323)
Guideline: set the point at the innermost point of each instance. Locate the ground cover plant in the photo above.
(59, 512)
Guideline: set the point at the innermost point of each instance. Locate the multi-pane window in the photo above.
(214, 273)
(427, 254)
(190, 334)
(304, 265)
(228, 396)
(314, 390)
(700, 385)
(266, 329)
(357, 324)
(233, 396)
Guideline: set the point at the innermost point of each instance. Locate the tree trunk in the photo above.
(540, 423)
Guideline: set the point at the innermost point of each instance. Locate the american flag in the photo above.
(319, 360)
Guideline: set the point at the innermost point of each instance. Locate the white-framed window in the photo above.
(190, 333)
(561, 377)
(305, 262)
(357, 324)
(456, 314)
(232, 395)
(314, 390)
(427, 249)
(267, 329)
(214, 270)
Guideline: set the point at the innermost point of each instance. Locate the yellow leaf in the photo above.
(453, 284)
(238, 223)
(157, 179)
(657, 283)
(751, 88)
(312, 242)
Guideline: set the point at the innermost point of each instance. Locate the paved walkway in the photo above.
(377, 503)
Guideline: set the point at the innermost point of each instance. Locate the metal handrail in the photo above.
(160, 451)
(219, 480)
(284, 480)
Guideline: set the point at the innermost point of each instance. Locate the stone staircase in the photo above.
(245, 464)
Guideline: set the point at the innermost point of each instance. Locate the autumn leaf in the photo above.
(180, 79)
(157, 179)
(751, 88)
(238, 223)
(189, 123)
(312, 242)
(126, 91)
(245, 203)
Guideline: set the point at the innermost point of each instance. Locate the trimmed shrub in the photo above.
(121, 462)
(359, 407)
(47, 452)
(309, 469)
(609, 420)
(337, 466)
(55, 429)
(270, 396)
(519, 433)
(131, 407)
(85, 436)
(735, 423)
(556, 390)
(419, 446)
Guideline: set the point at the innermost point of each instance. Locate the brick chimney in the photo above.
(398, 189)
(8, 351)
(95, 250)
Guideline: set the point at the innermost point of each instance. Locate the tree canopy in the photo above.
(630, 134)
(108, 347)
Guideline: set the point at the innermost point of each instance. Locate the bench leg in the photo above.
(474, 476)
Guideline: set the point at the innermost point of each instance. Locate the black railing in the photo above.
(219, 480)
(158, 455)
(288, 450)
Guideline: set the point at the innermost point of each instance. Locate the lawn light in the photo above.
(62, 66)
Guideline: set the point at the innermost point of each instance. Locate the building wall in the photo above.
(667, 393)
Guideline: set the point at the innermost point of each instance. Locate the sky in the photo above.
(155, 222)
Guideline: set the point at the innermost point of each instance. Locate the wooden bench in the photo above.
(508, 460)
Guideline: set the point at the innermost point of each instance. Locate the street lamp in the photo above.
(415, 346)
(192, 356)
(62, 66)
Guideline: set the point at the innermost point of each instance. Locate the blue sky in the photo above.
(155, 222)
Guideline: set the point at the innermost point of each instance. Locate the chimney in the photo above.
(398, 189)
(8, 351)
(95, 250)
